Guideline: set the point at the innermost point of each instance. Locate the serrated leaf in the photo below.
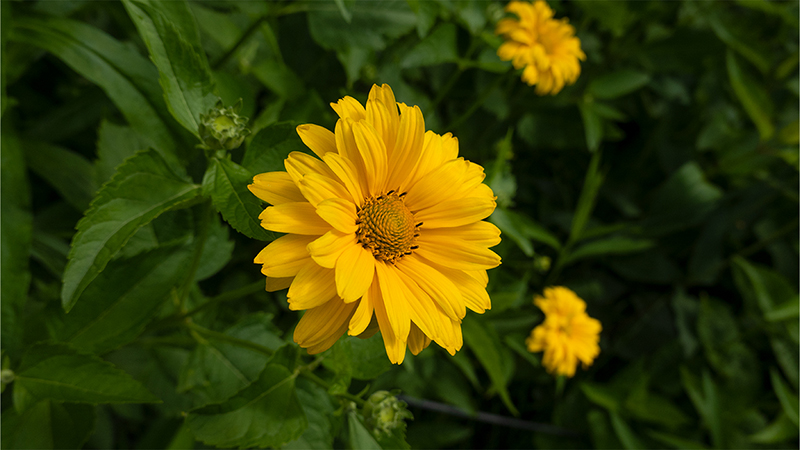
(486, 348)
(363, 359)
(127, 78)
(117, 305)
(16, 232)
(170, 32)
(115, 144)
(319, 410)
(72, 175)
(217, 369)
(754, 99)
(615, 245)
(226, 183)
(144, 187)
(265, 414)
(618, 83)
(359, 437)
(48, 425)
(58, 372)
(271, 146)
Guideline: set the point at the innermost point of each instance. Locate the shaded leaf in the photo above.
(58, 372)
(68, 172)
(628, 438)
(319, 410)
(359, 437)
(144, 187)
(617, 84)
(684, 200)
(362, 359)
(226, 183)
(754, 99)
(787, 398)
(486, 347)
(437, 48)
(115, 144)
(615, 245)
(265, 414)
(521, 228)
(48, 424)
(271, 146)
(592, 125)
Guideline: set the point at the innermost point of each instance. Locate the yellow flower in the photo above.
(547, 48)
(567, 335)
(384, 227)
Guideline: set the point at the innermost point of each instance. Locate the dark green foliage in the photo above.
(662, 187)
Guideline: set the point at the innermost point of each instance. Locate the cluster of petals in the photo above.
(567, 335)
(344, 285)
(546, 47)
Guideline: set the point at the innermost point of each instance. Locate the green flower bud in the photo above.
(222, 128)
(385, 414)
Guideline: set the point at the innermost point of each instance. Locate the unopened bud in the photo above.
(221, 128)
(385, 413)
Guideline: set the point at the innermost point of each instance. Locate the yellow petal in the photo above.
(349, 107)
(407, 148)
(320, 140)
(297, 218)
(363, 315)
(275, 188)
(382, 114)
(394, 293)
(421, 308)
(478, 233)
(323, 325)
(316, 188)
(300, 164)
(437, 186)
(455, 213)
(277, 284)
(440, 288)
(347, 173)
(473, 291)
(285, 256)
(395, 348)
(313, 286)
(456, 253)
(326, 250)
(417, 341)
(355, 270)
(373, 155)
(339, 213)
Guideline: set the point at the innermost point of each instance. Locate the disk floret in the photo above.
(387, 227)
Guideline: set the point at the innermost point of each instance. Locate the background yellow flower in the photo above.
(384, 226)
(567, 335)
(546, 47)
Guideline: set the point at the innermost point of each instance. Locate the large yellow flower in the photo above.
(383, 227)
(567, 335)
(546, 47)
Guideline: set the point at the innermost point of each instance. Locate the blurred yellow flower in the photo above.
(384, 230)
(546, 47)
(567, 335)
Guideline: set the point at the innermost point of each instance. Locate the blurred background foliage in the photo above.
(662, 187)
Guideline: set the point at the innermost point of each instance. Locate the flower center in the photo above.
(386, 227)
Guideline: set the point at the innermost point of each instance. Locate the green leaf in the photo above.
(438, 48)
(279, 78)
(217, 250)
(706, 402)
(673, 441)
(765, 287)
(787, 398)
(68, 172)
(319, 410)
(359, 437)
(16, 232)
(48, 424)
(271, 146)
(265, 414)
(117, 305)
(743, 45)
(170, 32)
(115, 144)
(519, 348)
(144, 187)
(593, 126)
(785, 311)
(651, 407)
(601, 431)
(754, 99)
(617, 84)
(781, 430)
(363, 359)
(58, 372)
(684, 200)
(487, 348)
(125, 76)
(217, 369)
(226, 183)
(615, 245)
(520, 228)
(603, 396)
(628, 438)
(591, 186)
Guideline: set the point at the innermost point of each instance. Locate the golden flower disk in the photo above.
(384, 230)
(546, 47)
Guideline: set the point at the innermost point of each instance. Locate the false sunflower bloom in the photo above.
(384, 230)
(546, 47)
(567, 335)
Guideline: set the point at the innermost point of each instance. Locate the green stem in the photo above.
(305, 373)
(215, 335)
(242, 39)
(474, 107)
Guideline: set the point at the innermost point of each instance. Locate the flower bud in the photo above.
(384, 413)
(222, 128)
